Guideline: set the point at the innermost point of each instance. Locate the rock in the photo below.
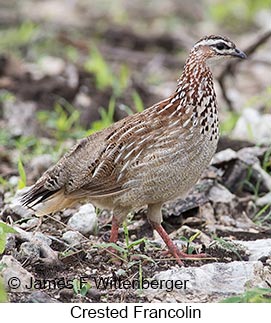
(41, 242)
(257, 249)
(226, 142)
(219, 194)
(51, 66)
(72, 76)
(32, 223)
(19, 117)
(213, 281)
(47, 254)
(66, 295)
(73, 238)
(253, 126)
(40, 297)
(94, 294)
(82, 100)
(40, 164)
(13, 181)
(85, 220)
(224, 156)
(264, 200)
(251, 155)
(29, 250)
(16, 205)
(16, 278)
(23, 235)
(239, 164)
(42, 238)
(263, 175)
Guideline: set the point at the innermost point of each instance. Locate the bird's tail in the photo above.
(43, 201)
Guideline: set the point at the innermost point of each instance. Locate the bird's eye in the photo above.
(221, 46)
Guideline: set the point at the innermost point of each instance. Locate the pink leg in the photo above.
(114, 230)
(173, 249)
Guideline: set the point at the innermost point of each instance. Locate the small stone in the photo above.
(13, 180)
(219, 194)
(133, 237)
(94, 294)
(85, 220)
(16, 205)
(29, 250)
(66, 294)
(73, 237)
(52, 66)
(40, 297)
(16, 278)
(253, 126)
(40, 164)
(71, 75)
(224, 156)
(43, 238)
(67, 213)
(257, 248)
(82, 100)
(264, 200)
(32, 223)
(220, 278)
(19, 117)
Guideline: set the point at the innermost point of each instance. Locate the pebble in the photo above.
(73, 238)
(29, 250)
(216, 281)
(216, 278)
(16, 205)
(253, 126)
(32, 223)
(19, 117)
(85, 220)
(219, 194)
(94, 294)
(15, 277)
(51, 65)
(66, 294)
(257, 249)
(40, 297)
(43, 238)
(40, 164)
(264, 200)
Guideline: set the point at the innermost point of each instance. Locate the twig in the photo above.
(230, 67)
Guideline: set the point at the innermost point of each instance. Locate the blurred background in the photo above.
(72, 67)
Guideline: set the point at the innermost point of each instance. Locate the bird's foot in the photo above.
(172, 248)
(180, 255)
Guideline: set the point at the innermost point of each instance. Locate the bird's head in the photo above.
(213, 48)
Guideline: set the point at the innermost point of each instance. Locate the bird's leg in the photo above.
(113, 235)
(117, 219)
(114, 230)
(155, 219)
(171, 246)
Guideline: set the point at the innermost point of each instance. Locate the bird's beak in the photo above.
(239, 53)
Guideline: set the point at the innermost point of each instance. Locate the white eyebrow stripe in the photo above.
(210, 42)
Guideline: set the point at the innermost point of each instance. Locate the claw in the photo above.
(172, 248)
